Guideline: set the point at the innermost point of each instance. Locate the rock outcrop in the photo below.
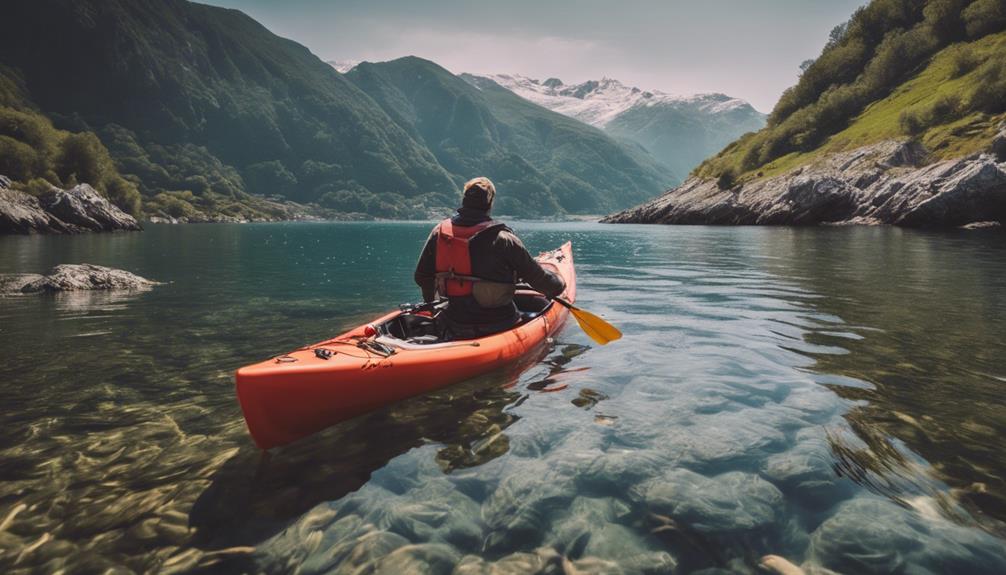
(73, 277)
(79, 209)
(21, 213)
(885, 183)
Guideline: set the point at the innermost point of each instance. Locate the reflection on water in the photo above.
(929, 312)
(831, 396)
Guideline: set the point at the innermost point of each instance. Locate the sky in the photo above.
(750, 49)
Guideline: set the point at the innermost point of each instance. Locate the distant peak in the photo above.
(597, 102)
(343, 66)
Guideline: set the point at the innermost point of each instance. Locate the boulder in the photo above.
(82, 206)
(21, 213)
(998, 147)
(57, 211)
(73, 277)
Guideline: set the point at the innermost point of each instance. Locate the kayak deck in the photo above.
(304, 391)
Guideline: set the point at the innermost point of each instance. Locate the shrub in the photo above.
(962, 61)
(83, 156)
(174, 204)
(36, 186)
(124, 194)
(945, 109)
(984, 17)
(911, 123)
(269, 178)
(726, 180)
(943, 17)
(345, 201)
(17, 159)
(989, 94)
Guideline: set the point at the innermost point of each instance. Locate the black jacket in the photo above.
(497, 255)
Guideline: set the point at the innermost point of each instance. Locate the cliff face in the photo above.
(76, 210)
(884, 183)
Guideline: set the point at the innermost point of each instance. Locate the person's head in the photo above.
(479, 194)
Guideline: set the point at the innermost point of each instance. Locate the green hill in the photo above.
(199, 107)
(205, 100)
(36, 154)
(932, 71)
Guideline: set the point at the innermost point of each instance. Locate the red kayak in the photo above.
(394, 357)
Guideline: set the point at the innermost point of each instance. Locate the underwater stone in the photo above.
(431, 558)
(543, 561)
(728, 503)
(516, 513)
(74, 277)
(873, 535)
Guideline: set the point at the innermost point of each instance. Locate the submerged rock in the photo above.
(873, 535)
(884, 183)
(79, 209)
(728, 503)
(982, 226)
(543, 561)
(73, 277)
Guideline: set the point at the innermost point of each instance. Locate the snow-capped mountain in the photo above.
(342, 66)
(597, 102)
(680, 131)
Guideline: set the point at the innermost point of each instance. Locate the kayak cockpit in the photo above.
(421, 325)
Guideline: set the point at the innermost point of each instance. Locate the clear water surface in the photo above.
(831, 396)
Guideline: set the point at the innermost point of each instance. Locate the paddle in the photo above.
(599, 330)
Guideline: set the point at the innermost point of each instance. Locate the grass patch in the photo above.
(943, 100)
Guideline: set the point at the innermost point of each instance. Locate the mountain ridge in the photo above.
(529, 150)
(204, 110)
(680, 131)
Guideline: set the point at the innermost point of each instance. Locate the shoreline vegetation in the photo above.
(903, 94)
(82, 209)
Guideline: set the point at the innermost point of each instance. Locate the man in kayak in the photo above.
(476, 263)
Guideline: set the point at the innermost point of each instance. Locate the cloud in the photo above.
(481, 52)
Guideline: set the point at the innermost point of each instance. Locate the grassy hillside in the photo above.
(930, 70)
(542, 162)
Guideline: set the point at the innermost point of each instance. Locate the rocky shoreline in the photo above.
(886, 183)
(76, 210)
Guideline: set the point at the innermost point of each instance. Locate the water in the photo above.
(831, 396)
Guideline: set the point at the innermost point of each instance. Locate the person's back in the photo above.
(475, 262)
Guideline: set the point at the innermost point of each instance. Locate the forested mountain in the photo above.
(201, 106)
(545, 162)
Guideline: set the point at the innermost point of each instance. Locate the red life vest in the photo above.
(454, 262)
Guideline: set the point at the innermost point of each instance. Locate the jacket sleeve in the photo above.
(527, 268)
(426, 268)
